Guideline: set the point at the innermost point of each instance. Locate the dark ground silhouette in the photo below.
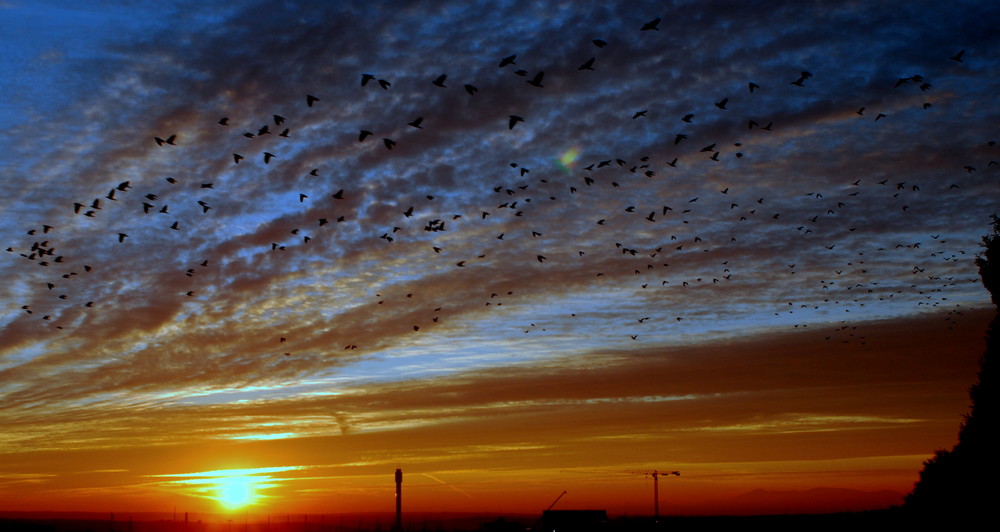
(870, 520)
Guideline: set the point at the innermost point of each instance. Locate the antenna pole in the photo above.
(656, 496)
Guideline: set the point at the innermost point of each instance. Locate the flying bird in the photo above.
(514, 119)
(509, 60)
(537, 80)
(804, 76)
(440, 80)
(651, 25)
(587, 65)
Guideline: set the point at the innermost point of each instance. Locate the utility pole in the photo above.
(399, 500)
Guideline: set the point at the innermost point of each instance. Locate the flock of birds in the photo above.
(519, 197)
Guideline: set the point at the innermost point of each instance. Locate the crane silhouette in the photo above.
(555, 501)
(656, 474)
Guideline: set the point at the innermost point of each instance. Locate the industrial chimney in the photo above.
(399, 499)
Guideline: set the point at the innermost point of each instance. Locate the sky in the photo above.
(513, 248)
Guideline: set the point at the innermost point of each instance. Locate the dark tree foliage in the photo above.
(961, 483)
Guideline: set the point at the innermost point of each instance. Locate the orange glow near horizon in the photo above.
(510, 443)
(230, 489)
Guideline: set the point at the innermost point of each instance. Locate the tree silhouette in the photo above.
(958, 484)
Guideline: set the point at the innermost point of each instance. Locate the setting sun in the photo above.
(236, 492)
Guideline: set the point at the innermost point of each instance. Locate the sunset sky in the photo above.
(734, 239)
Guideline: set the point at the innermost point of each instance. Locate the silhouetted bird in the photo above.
(804, 76)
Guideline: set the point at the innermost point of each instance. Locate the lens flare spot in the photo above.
(568, 157)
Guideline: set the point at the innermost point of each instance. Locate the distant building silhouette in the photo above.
(399, 501)
(573, 520)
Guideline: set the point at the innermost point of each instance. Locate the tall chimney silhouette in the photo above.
(399, 499)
